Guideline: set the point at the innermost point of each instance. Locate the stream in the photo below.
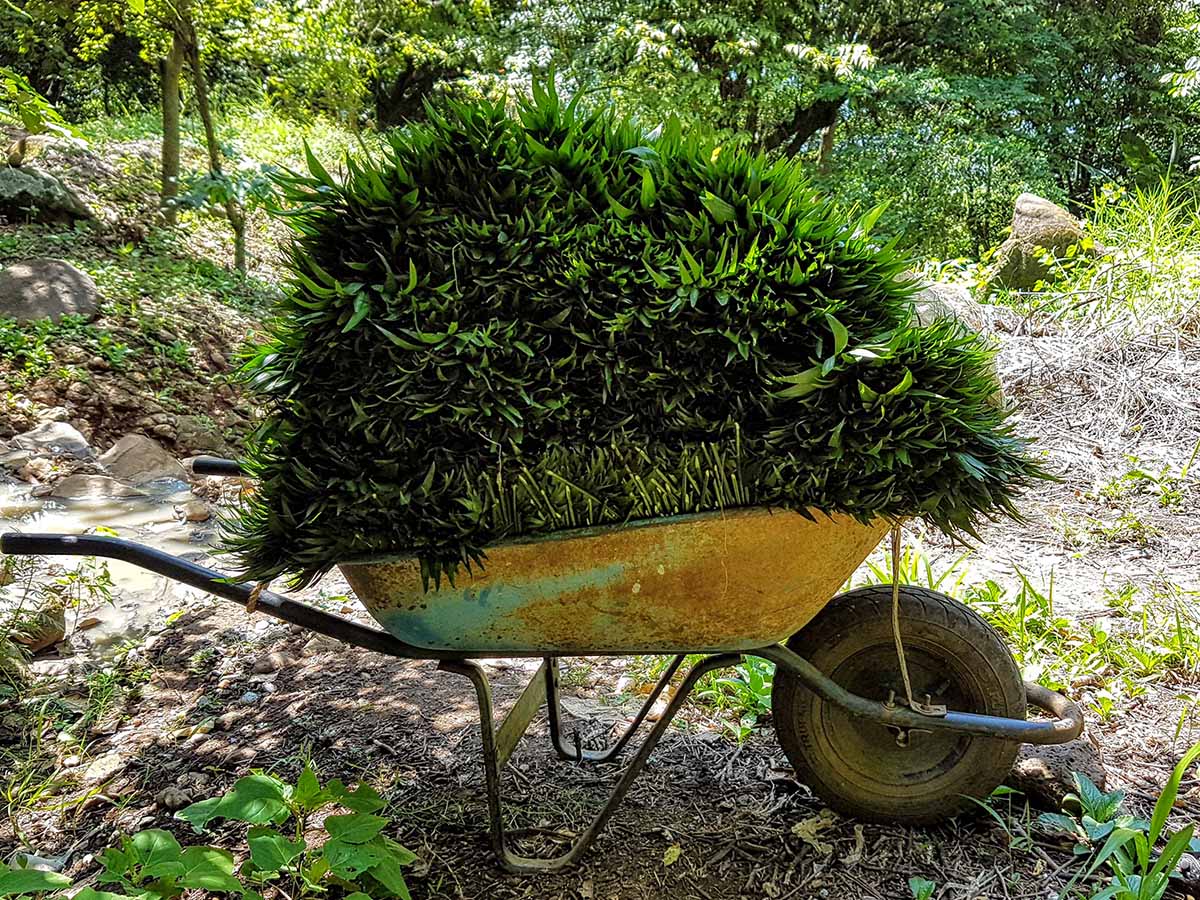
(141, 599)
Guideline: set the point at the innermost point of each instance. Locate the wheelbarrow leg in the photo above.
(494, 758)
(576, 753)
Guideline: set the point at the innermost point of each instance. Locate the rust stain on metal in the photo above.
(719, 581)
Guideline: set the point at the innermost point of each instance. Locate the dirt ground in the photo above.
(412, 731)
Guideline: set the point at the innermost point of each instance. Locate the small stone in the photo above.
(226, 721)
(271, 662)
(99, 363)
(269, 687)
(93, 487)
(248, 698)
(1045, 774)
(37, 470)
(320, 644)
(196, 511)
(87, 622)
(71, 762)
(104, 767)
(172, 798)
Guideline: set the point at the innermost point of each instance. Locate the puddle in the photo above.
(141, 599)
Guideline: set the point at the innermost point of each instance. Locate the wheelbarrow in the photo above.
(891, 703)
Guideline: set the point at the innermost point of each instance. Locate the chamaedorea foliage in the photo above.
(517, 324)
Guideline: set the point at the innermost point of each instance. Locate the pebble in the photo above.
(196, 511)
(172, 798)
(71, 762)
(248, 698)
(226, 721)
(271, 662)
(269, 687)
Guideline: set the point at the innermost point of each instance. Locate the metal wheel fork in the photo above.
(499, 743)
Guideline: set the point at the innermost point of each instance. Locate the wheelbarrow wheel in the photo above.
(870, 771)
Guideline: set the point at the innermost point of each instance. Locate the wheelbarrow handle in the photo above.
(213, 465)
(248, 596)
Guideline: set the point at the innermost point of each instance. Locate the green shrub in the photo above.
(507, 326)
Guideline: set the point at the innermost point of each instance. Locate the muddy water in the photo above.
(142, 599)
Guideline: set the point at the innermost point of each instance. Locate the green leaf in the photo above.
(801, 384)
(156, 851)
(315, 167)
(355, 828)
(351, 860)
(388, 874)
(1166, 800)
(91, 894)
(363, 798)
(721, 211)
(256, 799)
(308, 794)
(649, 192)
(841, 337)
(270, 850)
(210, 869)
(29, 881)
(138, 6)
(905, 383)
(362, 308)
(199, 814)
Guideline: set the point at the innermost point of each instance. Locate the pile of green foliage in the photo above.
(509, 326)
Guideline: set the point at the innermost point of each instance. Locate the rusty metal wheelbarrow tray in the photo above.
(705, 583)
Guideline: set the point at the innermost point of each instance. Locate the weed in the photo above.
(1128, 848)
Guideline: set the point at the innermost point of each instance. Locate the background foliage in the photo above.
(946, 107)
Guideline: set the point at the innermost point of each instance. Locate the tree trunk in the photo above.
(233, 209)
(825, 157)
(172, 67)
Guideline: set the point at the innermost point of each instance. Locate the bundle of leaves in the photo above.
(507, 326)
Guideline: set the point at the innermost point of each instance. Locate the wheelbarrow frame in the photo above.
(499, 741)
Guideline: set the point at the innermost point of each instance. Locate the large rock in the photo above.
(46, 289)
(138, 459)
(56, 438)
(93, 487)
(1045, 774)
(199, 434)
(949, 301)
(31, 195)
(1038, 226)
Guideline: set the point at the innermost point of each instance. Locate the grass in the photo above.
(247, 131)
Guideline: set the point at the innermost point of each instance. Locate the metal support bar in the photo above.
(522, 864)
(576, 753)
(517, 721)
(1066, 726)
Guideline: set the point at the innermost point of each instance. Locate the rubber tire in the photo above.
(856, 766)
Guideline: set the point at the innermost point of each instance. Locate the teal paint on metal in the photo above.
(463, 616)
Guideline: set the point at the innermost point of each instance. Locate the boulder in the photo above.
(58, 438)
(199, 434)
(949, 301)
(1045, 774)
(1038, 226)
(138, 459)
(31, 195)
(93, 487)
(46, 289)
